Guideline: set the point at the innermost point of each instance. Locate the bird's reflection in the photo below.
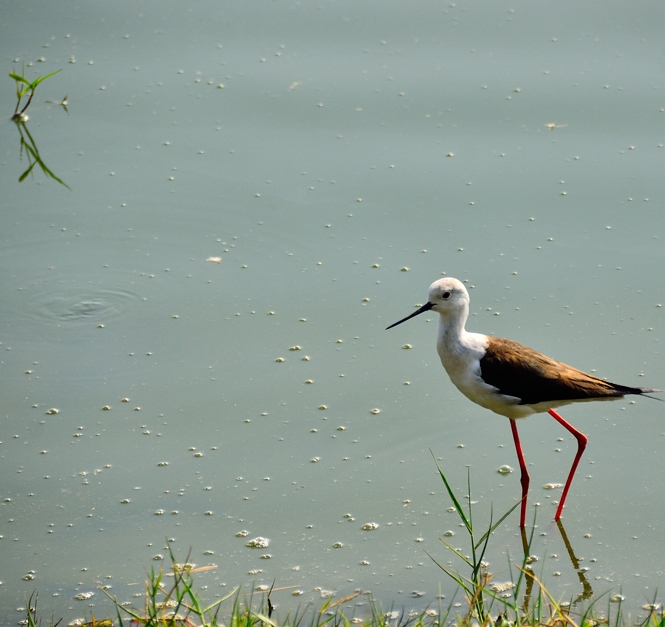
(587, 591)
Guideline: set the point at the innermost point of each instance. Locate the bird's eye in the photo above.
(446, 295)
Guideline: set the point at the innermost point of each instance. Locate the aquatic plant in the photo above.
(171, 600)
(24, 87)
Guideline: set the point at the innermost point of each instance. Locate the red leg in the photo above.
(581, 445)
(524, 479)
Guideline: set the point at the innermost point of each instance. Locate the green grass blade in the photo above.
(263, 618)
(453, 498)
(457, 552)
(19, 78)
(498, 522)
(26, 173)
(40, 79)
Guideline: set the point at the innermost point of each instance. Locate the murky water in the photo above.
(337, 157)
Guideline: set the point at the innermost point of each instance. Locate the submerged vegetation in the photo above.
(171, 600)
(24, 87)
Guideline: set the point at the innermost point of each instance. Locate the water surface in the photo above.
(338, 157)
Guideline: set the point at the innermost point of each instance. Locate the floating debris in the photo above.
(214, 259)
(258, 543)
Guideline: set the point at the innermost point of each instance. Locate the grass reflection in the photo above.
(29, 148)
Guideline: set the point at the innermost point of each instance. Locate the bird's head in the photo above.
(447, 296)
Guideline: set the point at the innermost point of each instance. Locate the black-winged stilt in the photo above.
(509, 378)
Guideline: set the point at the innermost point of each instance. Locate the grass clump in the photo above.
(23, 88)
(171, 600)
(514, 604)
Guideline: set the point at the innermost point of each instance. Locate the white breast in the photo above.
(461, 358)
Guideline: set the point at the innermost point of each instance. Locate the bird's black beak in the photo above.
(423, 309)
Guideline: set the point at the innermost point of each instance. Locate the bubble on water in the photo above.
(84, 596)
(258, 543)
(337, 545)
(371, 526)
(52, 411)
(375, 411)
(504, 470)
(552, 486)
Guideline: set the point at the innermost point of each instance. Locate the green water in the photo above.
(337, 157)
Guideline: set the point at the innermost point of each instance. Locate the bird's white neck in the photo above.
(451, 329)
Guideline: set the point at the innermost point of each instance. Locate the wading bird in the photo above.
(510, 379)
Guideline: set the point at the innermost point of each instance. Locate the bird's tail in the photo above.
(646, 391)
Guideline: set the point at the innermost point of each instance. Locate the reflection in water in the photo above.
(32, 154)
(63, 103)
(587, 591)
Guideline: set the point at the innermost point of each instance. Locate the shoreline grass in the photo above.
(171, 599)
